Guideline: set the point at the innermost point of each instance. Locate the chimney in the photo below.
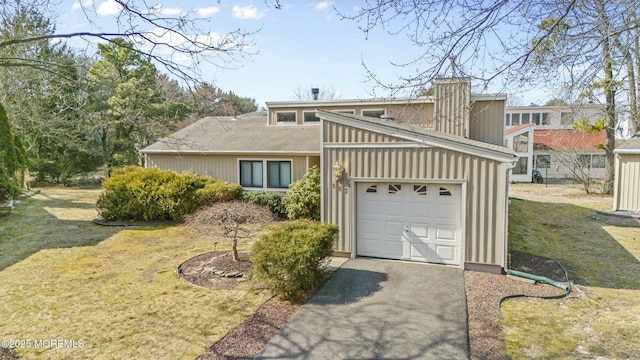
(452, 106)
(315, 92)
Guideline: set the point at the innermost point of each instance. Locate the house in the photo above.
(552, 145)
(421, 179)
(626, 191)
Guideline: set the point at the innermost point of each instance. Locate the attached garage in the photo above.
(398, 191)
(410, 221)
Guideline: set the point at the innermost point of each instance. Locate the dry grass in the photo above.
(602, 317)
(115, 289)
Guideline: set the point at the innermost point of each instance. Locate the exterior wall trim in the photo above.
(374, 145)
(425, 139)
(228, 152)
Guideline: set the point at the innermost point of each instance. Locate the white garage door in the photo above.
(418, 222)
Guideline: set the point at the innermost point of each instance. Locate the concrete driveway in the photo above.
(380, 309)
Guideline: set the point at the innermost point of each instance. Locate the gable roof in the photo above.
(422, 135)
(630, 146)
(518, 129)
(568, 139)
(248, 133)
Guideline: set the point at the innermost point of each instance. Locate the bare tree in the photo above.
(179, 42)
(307, 94)
(589, 47)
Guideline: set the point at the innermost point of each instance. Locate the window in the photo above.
(310, 116)
(566, 118)
(521, 166)
(515, 119)
(543, 161)
(444, 192)
(521, 142)
(598, 161)
(507, 119)
(535, 117)
(250, 173)
(286, 116)
(372, 189)
(525, 118)
(584, 160)
(279, 174)
(546, 119)
(395, 188)
(376, 113)
(421, 190)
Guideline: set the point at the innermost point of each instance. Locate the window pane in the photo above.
(279, 174)
(373, 113)
(251, 173)
(584, 160)
(543, 161)
(515, 119)
(525, 118)
(598, 161)
(257, 174)
(536, 119)
(507, 119)
(545, 119)
(521, 166)
(521, 143)
(310, 116)
(289, 116)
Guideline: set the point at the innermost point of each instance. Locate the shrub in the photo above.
(135, 193)
(303, 199)
(272, 200)
(217, 191)
(291, 257)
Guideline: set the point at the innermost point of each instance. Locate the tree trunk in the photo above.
(610, 99)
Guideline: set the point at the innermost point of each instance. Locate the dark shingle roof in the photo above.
(247, 134)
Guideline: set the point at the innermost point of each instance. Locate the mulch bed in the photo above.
(484, 292)
(199, 270)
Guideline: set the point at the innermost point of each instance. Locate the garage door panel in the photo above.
(445, 254)
(419, 222)
(394, 249)
(444, 232)
(393, 228)
(418, 231)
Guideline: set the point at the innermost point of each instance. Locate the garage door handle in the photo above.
(406, 228)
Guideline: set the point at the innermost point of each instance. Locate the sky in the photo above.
(299, 46)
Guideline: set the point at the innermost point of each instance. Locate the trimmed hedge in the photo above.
(291, 258)
(272, 200)
(135, 193)
(303, 199)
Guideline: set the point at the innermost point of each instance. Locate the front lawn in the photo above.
(112, 290)
(601, 317)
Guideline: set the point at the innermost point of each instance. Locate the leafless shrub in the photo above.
(230, 216)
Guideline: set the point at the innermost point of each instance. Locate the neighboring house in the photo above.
(569, 154)
(520, 139)
(551, 139)
(426, 182)
(626, 188)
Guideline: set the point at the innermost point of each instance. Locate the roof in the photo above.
(630, 146)
(315, 104)
(518, 128)
(425, 136)
(568, 139)
(248, 133)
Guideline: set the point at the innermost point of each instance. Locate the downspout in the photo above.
(540, 279)
(506, 212)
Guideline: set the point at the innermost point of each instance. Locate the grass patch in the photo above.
(115, 289)
(602, 316)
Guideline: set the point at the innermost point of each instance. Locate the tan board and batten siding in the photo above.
(224, 167)
(484, 219)
(626, 194)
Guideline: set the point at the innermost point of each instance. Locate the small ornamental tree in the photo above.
(303, 199)
(231, 216)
